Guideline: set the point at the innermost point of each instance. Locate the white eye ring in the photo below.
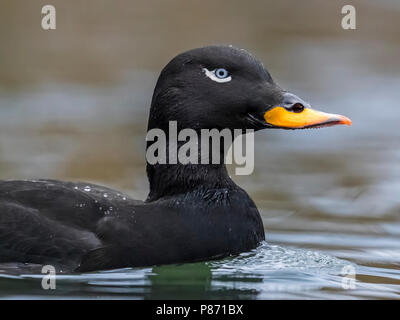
(212, 75)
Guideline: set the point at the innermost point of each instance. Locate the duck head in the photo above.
(226, 87)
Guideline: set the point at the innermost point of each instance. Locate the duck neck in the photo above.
(170, 179)
(171, 176)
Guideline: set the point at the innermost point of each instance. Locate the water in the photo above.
(329, 198)
(267, 272)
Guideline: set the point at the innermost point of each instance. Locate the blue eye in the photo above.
(221, 73)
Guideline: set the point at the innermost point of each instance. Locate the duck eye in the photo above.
(221, 73)
(218, 75)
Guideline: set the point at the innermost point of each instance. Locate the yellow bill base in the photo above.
(308, 118)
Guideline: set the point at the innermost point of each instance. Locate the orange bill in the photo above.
(307, 118)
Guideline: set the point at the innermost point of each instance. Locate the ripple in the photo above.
(273, 257)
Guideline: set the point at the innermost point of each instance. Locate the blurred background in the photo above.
(74, 104)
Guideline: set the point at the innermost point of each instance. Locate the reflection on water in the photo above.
(76, 108)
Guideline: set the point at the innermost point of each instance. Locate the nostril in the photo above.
(297, 108)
